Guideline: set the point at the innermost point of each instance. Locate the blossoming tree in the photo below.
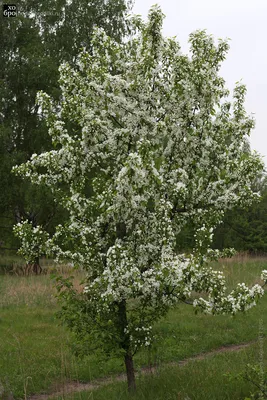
(146, 142)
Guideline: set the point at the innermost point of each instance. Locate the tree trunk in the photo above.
(128, 359)
(36, 266)
(33, 267)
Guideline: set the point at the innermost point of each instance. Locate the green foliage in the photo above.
(89, 327)
(245, 229)
(33, 45)
(254, 374)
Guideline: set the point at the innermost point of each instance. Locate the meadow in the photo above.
(194, 357)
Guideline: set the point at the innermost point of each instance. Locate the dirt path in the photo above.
(75, 387)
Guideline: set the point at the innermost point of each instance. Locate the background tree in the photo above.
(158, 145)
(33, 45)
(245, 229)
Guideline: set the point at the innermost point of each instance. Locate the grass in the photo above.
(35, 351)
(198, 380)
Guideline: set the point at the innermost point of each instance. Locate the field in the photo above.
(195, 356)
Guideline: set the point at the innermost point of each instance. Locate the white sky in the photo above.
(245, 23)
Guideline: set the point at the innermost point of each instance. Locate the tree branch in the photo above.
(116, 121)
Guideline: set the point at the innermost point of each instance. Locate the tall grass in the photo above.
(32, 291)
(26, 291)
(198, 380)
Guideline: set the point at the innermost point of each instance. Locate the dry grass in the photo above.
(244, 257)
(27, 291)
(32, 290)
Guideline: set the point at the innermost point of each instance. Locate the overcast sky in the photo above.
(245, 23)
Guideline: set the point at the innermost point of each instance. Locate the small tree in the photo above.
(157, 146)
